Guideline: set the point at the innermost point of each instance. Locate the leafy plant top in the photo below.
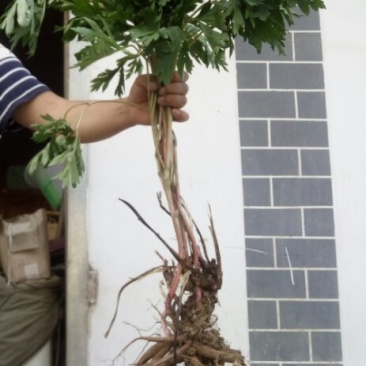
(168, 34)
(164, 35)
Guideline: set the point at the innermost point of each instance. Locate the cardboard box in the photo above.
(53, 227)
(24, 250)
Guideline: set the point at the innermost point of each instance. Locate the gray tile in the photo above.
(323, 284)
(253, 133)
(259, 252)
(246, 52)
(279, 346)
(309, 315)
(266, 104)
(296, 76)
(312, 364)
(307, 22)
(262, 314)
(315, 162)
(262, 364)
(306, 253)
(257, 192)
(319, 222)
(269, 162)
(302, 192)
(311, 105)
(275, 284)
(272, 222)
(252, 75)
(300, 134)
(308, 47)
(327, 346)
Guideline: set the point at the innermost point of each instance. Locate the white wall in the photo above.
(344, 30)
(120, 247)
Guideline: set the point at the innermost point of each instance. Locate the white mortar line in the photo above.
(274, 252)
(271, 192)
(302, 221)
(310, 347)
(307, 284)
(293, 47)
(290, 267)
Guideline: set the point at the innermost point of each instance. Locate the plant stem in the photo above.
(166, 158)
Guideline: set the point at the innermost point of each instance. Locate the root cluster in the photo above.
(191, 336)
(196, 340)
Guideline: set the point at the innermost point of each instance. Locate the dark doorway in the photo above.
(17, 148)
(48, 66)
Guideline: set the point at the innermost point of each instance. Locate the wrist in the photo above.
(138, 114)
(126, 113)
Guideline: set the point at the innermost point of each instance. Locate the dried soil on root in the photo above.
(196, 340)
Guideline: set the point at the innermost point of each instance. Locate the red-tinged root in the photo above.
(193, 336)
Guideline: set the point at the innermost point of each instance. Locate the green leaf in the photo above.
(144, 35)
(22, 21)
(214, 38)
(304, 6)
(103, 79)
(63, 147)
(165, 65)
(184, 60)
(24, 12)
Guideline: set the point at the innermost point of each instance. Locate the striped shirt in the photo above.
(17, 86)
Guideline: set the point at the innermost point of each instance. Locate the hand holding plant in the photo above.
(172, 95)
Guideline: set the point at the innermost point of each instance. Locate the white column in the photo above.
(344, 30)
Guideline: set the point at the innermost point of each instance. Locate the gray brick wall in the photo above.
(292, 286)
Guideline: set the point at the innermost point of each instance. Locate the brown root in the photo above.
(193, 337)
(196, 342)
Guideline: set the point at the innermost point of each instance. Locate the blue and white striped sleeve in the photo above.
(17, 86)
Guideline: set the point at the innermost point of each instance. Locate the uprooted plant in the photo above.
(168, 35)
(190, 332)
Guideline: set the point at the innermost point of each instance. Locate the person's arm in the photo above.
(99, 120)
(17, 86)
(24, 99)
